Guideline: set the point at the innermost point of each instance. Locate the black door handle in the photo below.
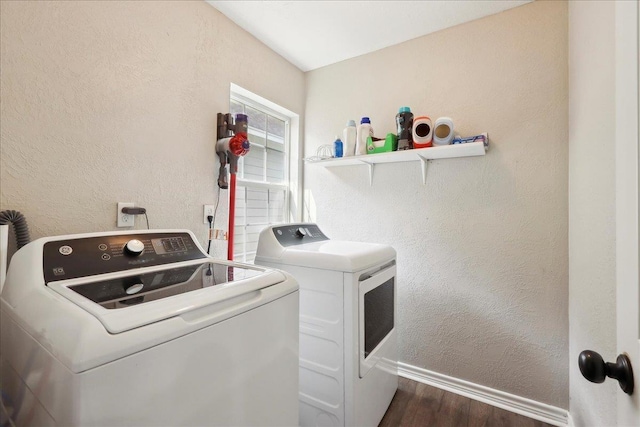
(594, 368)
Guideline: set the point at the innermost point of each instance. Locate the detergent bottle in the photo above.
(349, 135)
(404, 122)
(364, 131)
(338, 147)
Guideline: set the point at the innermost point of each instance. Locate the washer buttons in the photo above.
(102, 247)
(106, 257)
(65, 250)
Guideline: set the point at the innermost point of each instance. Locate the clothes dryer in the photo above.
(348, 351)
(143, 328)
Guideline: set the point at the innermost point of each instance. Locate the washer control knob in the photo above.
(300, 232)
(134, 247)
(134, 289)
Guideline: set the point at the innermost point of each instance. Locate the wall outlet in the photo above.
(208, 210)
(125, 220)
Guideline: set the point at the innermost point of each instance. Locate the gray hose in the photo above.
(20, 226)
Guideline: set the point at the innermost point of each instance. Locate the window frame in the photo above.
(258, 103)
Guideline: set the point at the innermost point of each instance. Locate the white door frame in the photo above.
(627, 203)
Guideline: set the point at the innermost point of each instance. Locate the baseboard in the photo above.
(570, 421)
(510, 402)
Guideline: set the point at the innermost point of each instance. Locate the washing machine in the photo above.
(142, 328)
(348, 351)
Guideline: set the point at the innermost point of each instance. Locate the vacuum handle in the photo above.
(223, 183)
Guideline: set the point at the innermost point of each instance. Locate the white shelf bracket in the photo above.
(423, 163)
(370, 172)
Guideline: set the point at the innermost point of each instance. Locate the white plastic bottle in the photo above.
(364, 131)
(349, 135)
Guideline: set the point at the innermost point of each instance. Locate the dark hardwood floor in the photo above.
(416, 404)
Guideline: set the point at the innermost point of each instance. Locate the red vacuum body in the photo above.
(232, 144)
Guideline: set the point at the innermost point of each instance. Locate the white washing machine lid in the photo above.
(159, 293)
(83, 334)
(320, 252)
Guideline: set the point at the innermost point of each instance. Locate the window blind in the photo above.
(262, 193)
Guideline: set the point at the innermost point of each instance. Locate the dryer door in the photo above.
(376, 312)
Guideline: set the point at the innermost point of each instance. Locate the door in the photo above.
(627, 202)
(376, 314)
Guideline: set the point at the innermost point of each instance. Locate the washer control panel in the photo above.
(298, 234)
(69, 259)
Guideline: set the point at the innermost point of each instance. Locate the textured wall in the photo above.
(482, 248)
(592, 225)
(116, 101)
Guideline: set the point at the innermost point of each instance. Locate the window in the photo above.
(263, 193)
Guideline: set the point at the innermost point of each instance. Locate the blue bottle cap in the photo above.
(365, 120)
(405, 110)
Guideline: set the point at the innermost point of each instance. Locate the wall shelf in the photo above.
(421, 154)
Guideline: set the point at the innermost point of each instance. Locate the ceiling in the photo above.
(312, 34)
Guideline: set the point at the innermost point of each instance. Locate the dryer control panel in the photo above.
(80, 257)
(298, 234)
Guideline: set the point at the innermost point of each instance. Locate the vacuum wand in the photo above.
(232, 143)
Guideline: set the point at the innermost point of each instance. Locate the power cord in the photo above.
(210, 219)
(209, 273)
(215, 210)
(136, 211)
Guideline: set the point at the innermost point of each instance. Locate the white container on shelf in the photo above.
(349, 135)
(443, 131)
(364, 131)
